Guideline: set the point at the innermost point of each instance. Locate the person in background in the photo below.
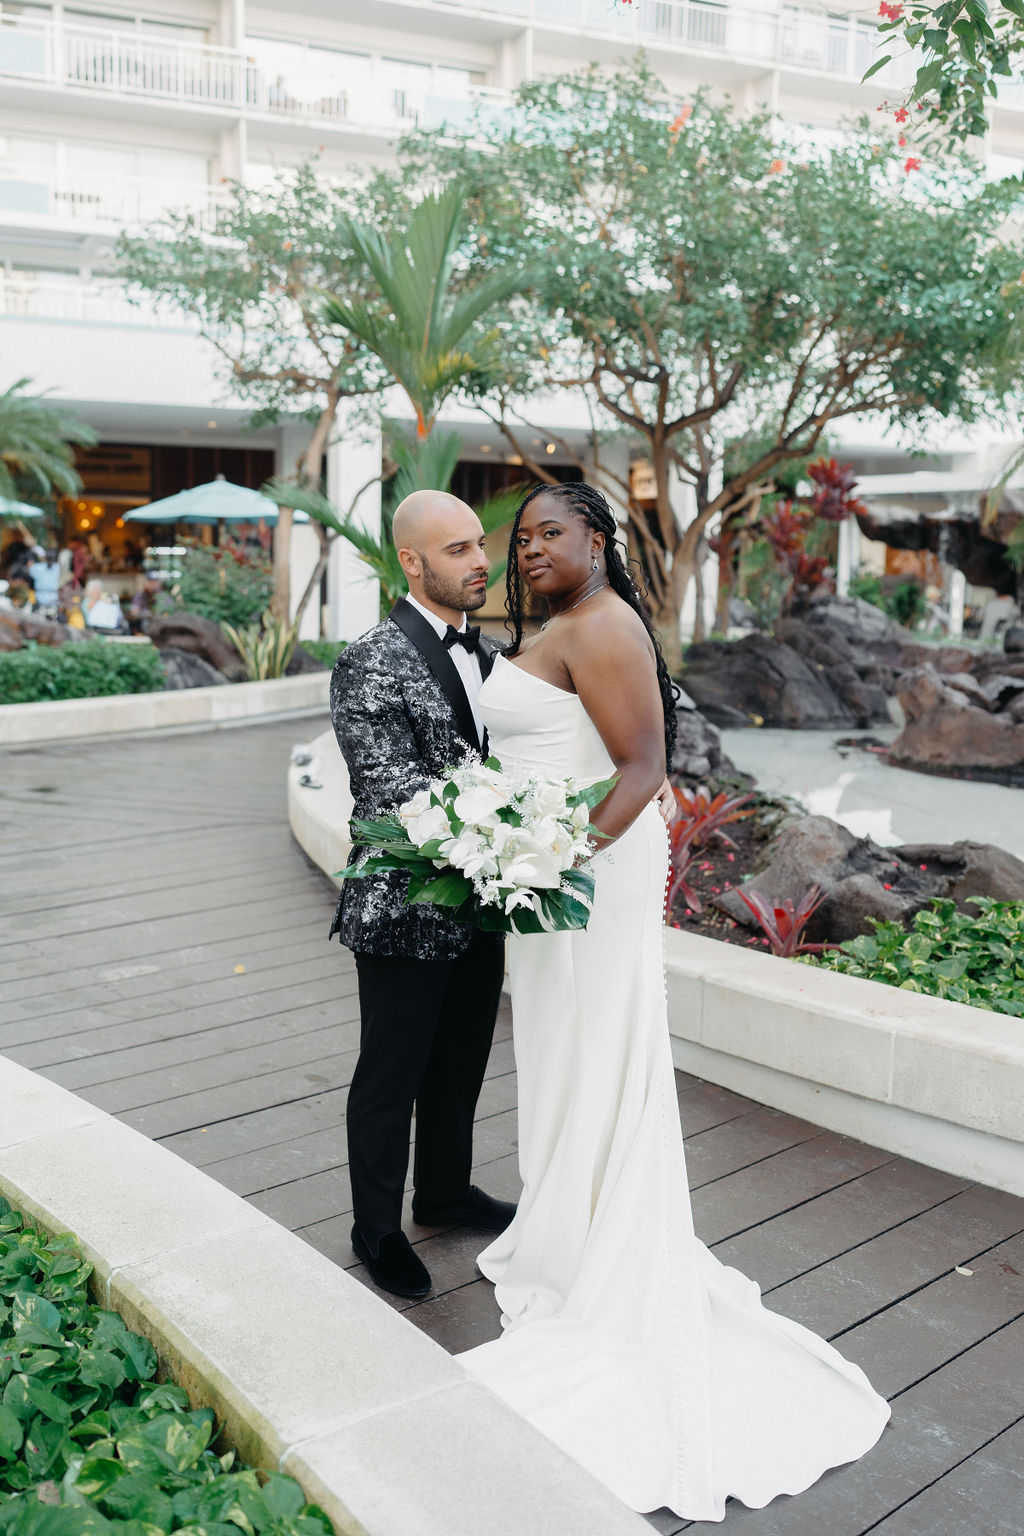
(100, 609)
(79, 560)
(44, 575)
(143, 604)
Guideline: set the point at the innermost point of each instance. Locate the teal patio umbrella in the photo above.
(19, 509)
(219, 501)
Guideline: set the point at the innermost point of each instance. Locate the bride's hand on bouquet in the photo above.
(667, 803)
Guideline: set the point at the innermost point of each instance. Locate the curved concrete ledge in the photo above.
(925, 1078)
(227, 703)
(918, 1076)
(306, 1369)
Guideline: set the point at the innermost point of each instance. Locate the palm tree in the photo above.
(426, 465)
(35, 445)
(424, 326)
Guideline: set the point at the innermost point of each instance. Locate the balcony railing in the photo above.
(193, 74)
(44, 296)
(118, 201)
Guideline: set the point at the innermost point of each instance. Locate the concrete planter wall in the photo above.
(230, 703)
(305, 1368)
(936, 1081)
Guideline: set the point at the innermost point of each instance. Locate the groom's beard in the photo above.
(461, 595)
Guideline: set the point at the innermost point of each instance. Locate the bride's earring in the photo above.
(593, 564)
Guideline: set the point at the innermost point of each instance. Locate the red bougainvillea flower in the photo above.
(890, 12)
(776, 167)
(901, 114)
(902, 141)
(911, 163)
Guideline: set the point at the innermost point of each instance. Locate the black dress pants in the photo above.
(425, 1034)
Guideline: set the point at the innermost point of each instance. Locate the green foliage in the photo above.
(78, 670)
(697, 279)
(265, 648)
(423, 321)
(905, 602)
(83, 1421)
(969, 959)
(325, 651)
(965, 47)
(36, 445)
(228, 585)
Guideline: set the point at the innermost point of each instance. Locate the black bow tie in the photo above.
(470, 637)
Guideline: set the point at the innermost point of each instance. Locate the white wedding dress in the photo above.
(625, 1341)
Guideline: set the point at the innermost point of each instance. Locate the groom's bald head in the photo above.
(439, 540)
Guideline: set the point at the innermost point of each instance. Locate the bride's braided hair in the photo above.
(586, 501)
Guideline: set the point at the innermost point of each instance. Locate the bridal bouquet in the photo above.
(505, 852)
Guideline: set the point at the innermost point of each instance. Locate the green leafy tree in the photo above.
(36, 453)
(965, 48)
(698, 285)
(424, 320)
(252, 279)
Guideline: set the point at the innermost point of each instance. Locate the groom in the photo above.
(404, 708)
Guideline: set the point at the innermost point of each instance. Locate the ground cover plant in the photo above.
(90, 669)
(975, 958)
(229, 585)
(90, 1443)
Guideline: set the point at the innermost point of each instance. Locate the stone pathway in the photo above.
(162, 953)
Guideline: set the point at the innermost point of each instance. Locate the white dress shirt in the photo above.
(467, 663)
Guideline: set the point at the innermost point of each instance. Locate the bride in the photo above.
(624, 1340)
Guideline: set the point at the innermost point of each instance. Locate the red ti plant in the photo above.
(783, 926)
(680, 857)
(833, 499)
(702, 816)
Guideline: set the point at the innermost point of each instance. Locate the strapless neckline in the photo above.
(551, 687)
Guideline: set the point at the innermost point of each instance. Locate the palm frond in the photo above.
(425, 465)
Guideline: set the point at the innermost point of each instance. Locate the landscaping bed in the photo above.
(90, 1441)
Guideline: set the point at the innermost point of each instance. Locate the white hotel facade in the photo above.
(111, 112)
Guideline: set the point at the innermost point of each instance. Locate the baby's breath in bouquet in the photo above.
(508, 852)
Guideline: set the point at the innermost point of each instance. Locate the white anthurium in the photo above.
(538, 868)
(480, 804)
(429, 825)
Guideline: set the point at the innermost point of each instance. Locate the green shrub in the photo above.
(977, 960)
(90, 1443)
(83, 670)
(326, 651)
(229, 585)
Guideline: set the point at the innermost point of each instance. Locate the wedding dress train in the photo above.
(625, 1341)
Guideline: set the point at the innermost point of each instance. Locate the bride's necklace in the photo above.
(593, 593)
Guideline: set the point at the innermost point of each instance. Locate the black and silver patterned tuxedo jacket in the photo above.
(401, 717)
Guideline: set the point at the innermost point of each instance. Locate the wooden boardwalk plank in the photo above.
(129, 995)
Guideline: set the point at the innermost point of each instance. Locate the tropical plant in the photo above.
(228, 584)
(427, 464)
(966, 47)
(808, 287)
(703, 815)
(783, 924)
(84, 669)
(266, 648)
(86, 1427)
(36, 453)
(423, 322)
(680, 845)
(972, 957)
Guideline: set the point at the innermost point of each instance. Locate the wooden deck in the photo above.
(163, 954)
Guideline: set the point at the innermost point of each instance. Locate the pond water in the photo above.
(872, 799)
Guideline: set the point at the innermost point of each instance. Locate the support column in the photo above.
(353, 592)
(305, 543)
(848, 555)
(957, 597)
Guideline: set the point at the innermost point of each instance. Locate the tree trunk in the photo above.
(312, 585)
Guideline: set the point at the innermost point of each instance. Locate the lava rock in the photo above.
(857, 620)
(861, 880)
(19, 625)
(698, 750)
(761, 681)
(1013, 640)
(184, 669)
(201, 637)
(945, 733)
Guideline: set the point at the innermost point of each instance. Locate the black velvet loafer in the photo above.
(395, 1266)
(475, 1209)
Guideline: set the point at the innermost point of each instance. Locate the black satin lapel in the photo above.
(426, 641)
